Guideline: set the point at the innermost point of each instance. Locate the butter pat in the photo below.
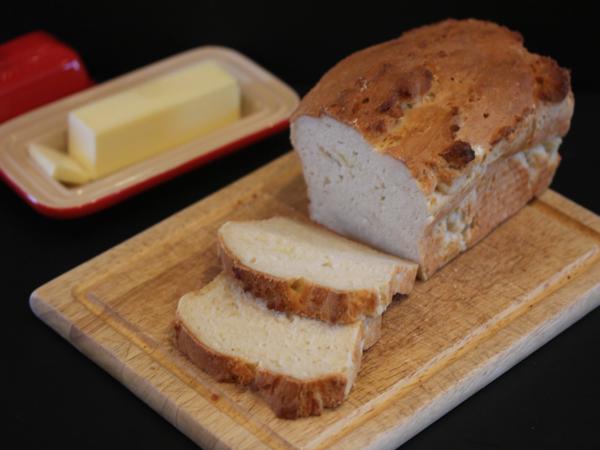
(171, 110)
(58, 165)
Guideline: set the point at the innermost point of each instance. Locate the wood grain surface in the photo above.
(492, 306)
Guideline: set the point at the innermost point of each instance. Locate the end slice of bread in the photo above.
(371, 331)
(298, 365)
(308, 270)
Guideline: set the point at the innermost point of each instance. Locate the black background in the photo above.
(55, 397)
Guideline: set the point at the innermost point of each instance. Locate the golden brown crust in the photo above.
(437, 92)
(300, 296)
(288, 397)
(220, 367)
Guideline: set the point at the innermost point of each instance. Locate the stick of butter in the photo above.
(58, 165)
(119, 130)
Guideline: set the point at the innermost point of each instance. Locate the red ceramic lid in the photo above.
(36, 69)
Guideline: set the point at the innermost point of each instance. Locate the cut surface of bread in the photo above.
(402, 142)
(299, 365)
(305, 269)
(371, 331)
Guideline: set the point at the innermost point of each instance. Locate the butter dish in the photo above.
(266, 106)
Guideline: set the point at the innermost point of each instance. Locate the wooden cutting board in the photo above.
(492, 306)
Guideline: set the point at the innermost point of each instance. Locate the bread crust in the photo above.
(444, 97)
(505, 188)
(302, 297)
(288, 397)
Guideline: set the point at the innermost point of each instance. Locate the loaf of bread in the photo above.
(420, 146)
(298, 365)
(304, 269)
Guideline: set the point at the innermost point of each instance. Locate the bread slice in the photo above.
(401, 143)
(371, 331)
(298, 365)
(305, 269)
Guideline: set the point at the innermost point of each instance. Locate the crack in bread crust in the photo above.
(506, 187)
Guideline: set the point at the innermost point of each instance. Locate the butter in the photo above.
(162, 113)
(58, 165)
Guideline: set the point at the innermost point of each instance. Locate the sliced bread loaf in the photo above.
(422, 145)
(305, 269)
(298, 365)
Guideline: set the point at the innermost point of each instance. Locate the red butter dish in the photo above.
(266, 106)
(36, 69)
